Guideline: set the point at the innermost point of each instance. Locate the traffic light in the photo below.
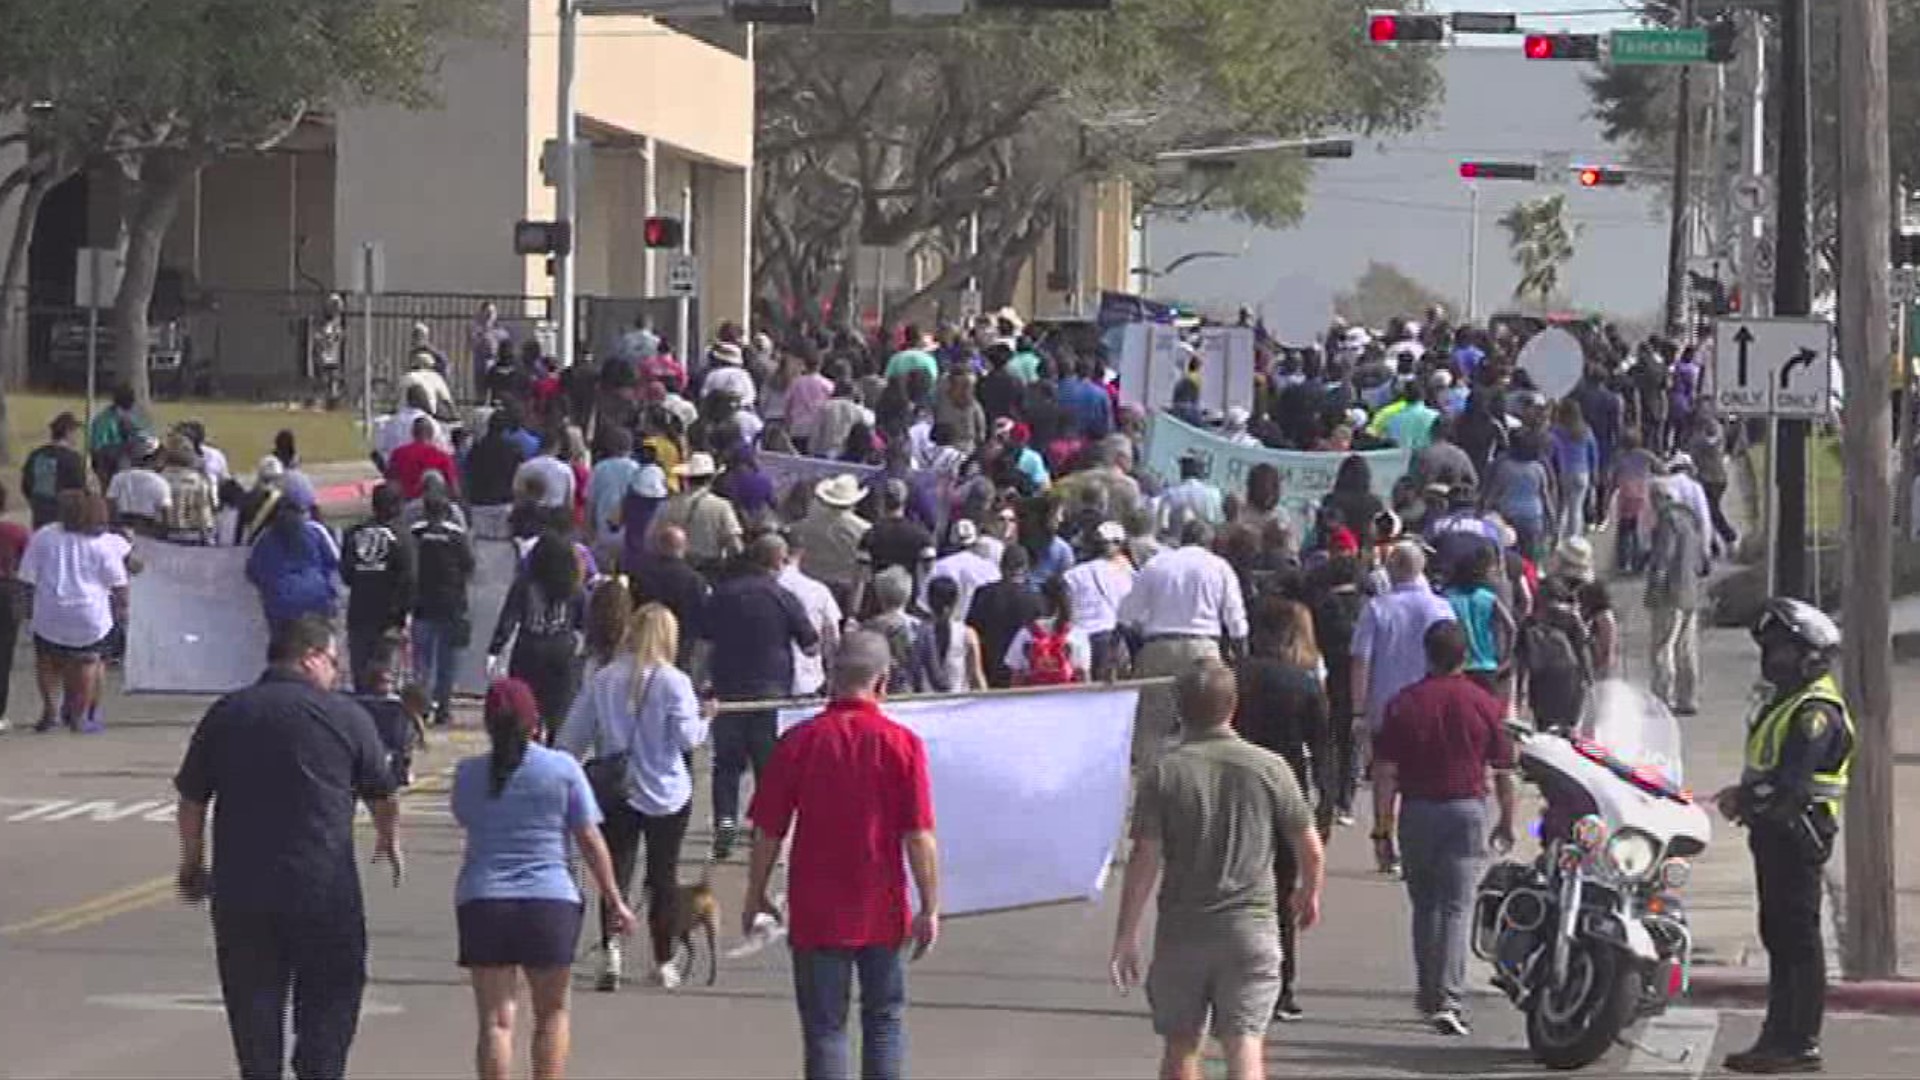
(1598, 176)
(1329, 148)
(1723, 39)
(1390, 27)
(1499, 170)
(542, 238)
(773, 12)
(1562, 46)
(663, 232)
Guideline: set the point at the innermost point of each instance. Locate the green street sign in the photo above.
(1658, 46)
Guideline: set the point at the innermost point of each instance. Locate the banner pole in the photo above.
(770, 704)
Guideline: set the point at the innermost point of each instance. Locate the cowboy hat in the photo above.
(1574, 558)
(726, 352)
(840, 491)
(699, 463)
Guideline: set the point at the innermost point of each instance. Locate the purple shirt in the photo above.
(1391, 638)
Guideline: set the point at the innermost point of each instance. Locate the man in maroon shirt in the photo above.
(408, 467)
(858, 782)
(1438, 740)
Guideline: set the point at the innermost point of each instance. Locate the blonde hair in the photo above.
(653, 634)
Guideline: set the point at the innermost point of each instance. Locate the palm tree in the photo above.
(1541, 241)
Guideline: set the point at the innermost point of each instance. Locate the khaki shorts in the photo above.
(1228, 974)
(1157, 719)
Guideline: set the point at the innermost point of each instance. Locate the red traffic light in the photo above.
(1562, 47)
(1388, 27)
(1594, 176)
(663, 232)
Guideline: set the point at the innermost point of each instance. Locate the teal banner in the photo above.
(1305, 477)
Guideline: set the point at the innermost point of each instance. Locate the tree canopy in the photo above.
(884, 132)
(1384, 292)
(154, 90)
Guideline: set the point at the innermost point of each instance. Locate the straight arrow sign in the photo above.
(1743, 338)
(1772, 367)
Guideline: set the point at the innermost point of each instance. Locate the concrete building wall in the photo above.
(261, 222)
(441, 188)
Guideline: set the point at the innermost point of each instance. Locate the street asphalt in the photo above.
(107, 975)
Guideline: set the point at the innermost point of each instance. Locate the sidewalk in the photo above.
(1721, 900)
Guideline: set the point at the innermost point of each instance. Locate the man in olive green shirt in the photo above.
(1214, 813)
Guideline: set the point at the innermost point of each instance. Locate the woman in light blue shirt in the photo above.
(517, 905)
(642, 706)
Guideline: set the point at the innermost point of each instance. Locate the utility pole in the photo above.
(1793, 293)
(1870, 948)
(1682, 189)
(567, 183)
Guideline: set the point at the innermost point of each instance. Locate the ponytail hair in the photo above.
(943, 596)
(510, 716)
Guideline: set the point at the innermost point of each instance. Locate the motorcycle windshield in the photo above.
(1636, 729)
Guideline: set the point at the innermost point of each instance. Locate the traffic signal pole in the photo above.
(1682, 191)
(1792, 294)
(567, 194)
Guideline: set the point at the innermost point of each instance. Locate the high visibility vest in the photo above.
(1769, 733)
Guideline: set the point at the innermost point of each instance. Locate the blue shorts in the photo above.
(520, 933)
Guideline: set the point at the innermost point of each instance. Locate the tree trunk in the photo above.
(1869, 944)
(13, 306)
(151, 192)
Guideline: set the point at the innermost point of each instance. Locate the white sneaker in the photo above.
(611, 963)
(1448, 1022)
(5, 724)
(667, 977)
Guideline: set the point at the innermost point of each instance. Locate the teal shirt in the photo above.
(1024, 366)
(1473, 608)
(1412, 427)
(911, 360)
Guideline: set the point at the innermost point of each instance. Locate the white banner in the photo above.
(195, 624)
(786, 470)
(1029, 792)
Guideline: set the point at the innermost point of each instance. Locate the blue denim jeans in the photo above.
(740, 741)
(1442, 844)
(435, 661)
(823, 986)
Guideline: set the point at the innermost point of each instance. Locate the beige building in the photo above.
(669, 119)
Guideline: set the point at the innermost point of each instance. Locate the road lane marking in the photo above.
(212, 1003)
(87, 912)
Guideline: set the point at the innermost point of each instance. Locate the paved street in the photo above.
(108, 976)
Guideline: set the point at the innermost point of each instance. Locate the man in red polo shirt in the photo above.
(1438, 740)
(858, 782)
(408, 467)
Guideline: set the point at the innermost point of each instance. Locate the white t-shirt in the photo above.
(140, 492)
(213, 462)
(73, 577)
(823, 611)
(556, 479)
(1094, 591)
(438, 395)
(1079, 650)
(730, 377)
(968, 570)
(397, 431)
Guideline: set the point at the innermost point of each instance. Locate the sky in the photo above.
(1400, 200)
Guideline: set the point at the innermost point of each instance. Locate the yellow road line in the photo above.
(99, 908)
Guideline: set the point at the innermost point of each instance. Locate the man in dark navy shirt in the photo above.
(753, 625)
(283, 763)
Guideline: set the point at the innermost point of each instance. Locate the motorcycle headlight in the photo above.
(1633, 855)
(1590, 832)
(1674, 874)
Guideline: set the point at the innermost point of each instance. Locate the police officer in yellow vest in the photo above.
(1799, 749)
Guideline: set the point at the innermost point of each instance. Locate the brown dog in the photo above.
(697, 908)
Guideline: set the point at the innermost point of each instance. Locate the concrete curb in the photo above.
(1896, 996)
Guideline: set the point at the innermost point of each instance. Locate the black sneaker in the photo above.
(724, 832)
(1775, 1060)
(1288, 1011)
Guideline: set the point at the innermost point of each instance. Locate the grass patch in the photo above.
(1826, 503)
(244, 430)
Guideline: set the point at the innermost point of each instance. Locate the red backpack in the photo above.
(1049, 661)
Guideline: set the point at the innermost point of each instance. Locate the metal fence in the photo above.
(250, 344)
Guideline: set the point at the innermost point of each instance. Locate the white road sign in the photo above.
(1773, 367)
(683, 275)
(1752, 194)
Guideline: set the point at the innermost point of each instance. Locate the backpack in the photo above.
(1550, 648)
(1049, 661)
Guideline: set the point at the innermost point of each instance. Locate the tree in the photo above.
(895, 133)
(155, 90)
(1541, 241)
(1382, 292)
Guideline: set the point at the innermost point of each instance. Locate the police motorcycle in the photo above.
(1591, 937)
